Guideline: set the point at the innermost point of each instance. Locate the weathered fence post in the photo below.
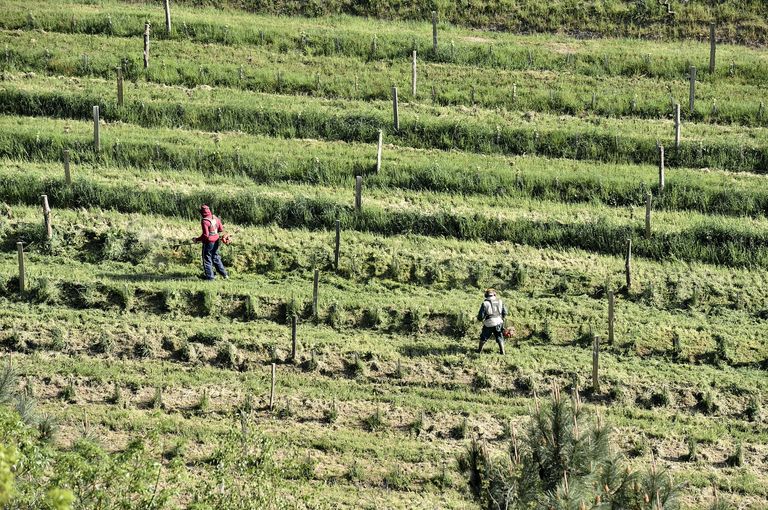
(67, 173)
(413, 75)
(677, 125)
(378, 152)
(272, 388)
(315, 288)
(22, 272)
(648, 199)
(47, 218)
(119, 86)
(611, 304)
(96, 137)
(337, 251)
(294, 320)
(146, 45)
(692, 91)
(661, 168)
(628, 264)
(434, 32)
(167, 6)
(595, 364)
(358, 192)
(712, 44)
(395, 111)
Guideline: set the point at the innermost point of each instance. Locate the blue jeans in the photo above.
(211, 260)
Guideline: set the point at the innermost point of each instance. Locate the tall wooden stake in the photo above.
(611, 304)
(294, 320)
(315, 288)
(146, 45)
(395, 110)
(47, 218)
(712, 44)
(337, 251)
(119, 86)
(96, 137)
(434, 32)
(648, 199)
(358, 192)
(661, 168)
(167, 6)
(378, 152)
(67, 173)
(413, 75)
(677, 125)
(628, 264)
(22, 272)
(595, 364)
(692, 91)
(272, 388)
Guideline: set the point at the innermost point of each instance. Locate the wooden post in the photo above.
(167, 6)
(648, 199)
(661, 168)
(294, 320)
(96, 137)
(119, 86)
(22, 272)
(67, 174)
(272, 388)
(146, 45)
(315, 288)
(434, 32)
(611, 304)
(595, 364)
(628, 264)
(692, 91)
(712, 44)
(395, 111)
(358, 192)
(337, 251)
(413, 76)
(378, 152)
(677, 125)
(47, 218)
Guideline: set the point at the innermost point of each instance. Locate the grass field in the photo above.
(522, 163)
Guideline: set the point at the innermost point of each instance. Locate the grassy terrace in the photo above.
(263, 69)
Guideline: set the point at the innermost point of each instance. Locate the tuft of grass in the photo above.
(356, 367)
(68, 393)
(481, 380)
(156, 402)
(372, 317)
(117, 396)
(356, 472)
(708, 402)
(204, 403)
(331, 414)
(335, 317)
(209, 302)
(661, 397)
(462, 324)
(376, 421)
(144, 348)
(45, 291)
(104, 344)
(736, 459)
(187, 352)
(754, 408)
(250, 309)
(693, 449)
(460, 430)
(48, 427)
(227, 355)
(58, 342)
(397, 479)
(171, 299)
(417, 425)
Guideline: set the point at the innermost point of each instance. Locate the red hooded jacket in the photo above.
(211, 226)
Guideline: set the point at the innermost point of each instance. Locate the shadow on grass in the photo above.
(416, 350)
(150, 277)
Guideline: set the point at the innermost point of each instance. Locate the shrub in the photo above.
(736, 459)
(310, 365)
(48, 428)
(372, 317)
(122, 296)
(58, 342)
(753, 411)
(171, 300)
(481, 380)
(356, 472)
(462, 324)
(331, 414)
(206, 337)
(661, 397)
(720, 355)
(144, 348)
(693, 449)
(187, 352)
(707, 402)
(250, 309)
(157, 399)
(335, 317)
(68, 393)
(355, 368)
(396, 479)
(209, 303)
(414, 321)
(45, 291)
(204, 403)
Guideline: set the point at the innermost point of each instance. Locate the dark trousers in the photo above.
(488, 332)
(211, 260)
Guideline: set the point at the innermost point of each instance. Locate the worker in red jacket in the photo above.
(210, 239)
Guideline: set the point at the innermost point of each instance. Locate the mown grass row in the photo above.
(420, 127)
(611, 18)
(277, 160)
(713, 240)
(190, 65)
(355, 37)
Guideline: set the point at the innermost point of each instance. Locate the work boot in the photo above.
(501, 348)
(480, 347)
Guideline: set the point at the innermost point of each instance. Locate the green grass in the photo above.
(724, 100)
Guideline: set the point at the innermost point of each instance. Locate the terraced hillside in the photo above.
(523, 162)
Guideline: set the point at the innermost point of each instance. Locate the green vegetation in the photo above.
(129, 382)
